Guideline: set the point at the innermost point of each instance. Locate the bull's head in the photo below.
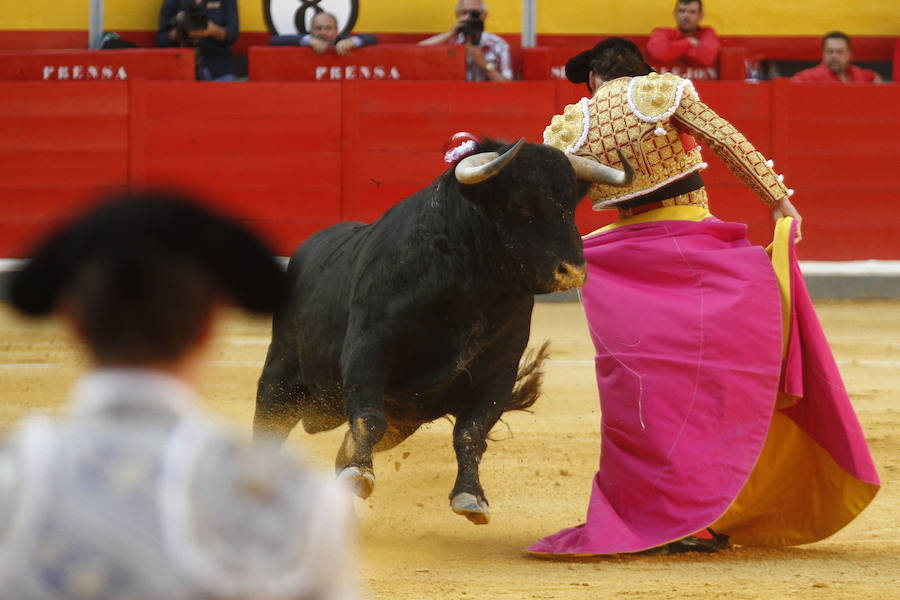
(529, 192)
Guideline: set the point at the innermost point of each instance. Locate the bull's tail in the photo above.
(529, 379)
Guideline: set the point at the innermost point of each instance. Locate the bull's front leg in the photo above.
(487, 397)
(469, 442)
(364, 397)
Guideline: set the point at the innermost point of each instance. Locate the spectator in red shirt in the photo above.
(689, 43)
(897, 62)
(835, 66)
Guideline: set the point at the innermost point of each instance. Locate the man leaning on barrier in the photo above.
(324, 34)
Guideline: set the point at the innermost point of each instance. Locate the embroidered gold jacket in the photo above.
(653, 120)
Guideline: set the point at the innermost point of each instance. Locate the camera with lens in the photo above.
(193, 17)
(472, 28)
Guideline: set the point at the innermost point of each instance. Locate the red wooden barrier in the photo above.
(549, 62)
(60, 145)
(395, 148)
(390, 62)
(268, 152)
(839, 144)
(97, 65)
(291, 158)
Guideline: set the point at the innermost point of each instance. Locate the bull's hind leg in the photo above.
(363, 482)
(279, 394)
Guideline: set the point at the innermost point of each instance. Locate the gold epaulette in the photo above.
(568, 131)
(655, 97)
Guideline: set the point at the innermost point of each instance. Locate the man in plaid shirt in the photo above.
(487, 54)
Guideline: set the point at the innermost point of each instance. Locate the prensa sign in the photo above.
(97, 65)
(285, 17)
(83, 72)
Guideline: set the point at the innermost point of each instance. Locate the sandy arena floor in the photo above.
(537, 475)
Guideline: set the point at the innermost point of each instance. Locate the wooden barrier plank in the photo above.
(843, 164)
(77, 99)
(31, 212)
(267, 152)
(417, 115)
(60, 133)
(399, 144)
(60, 146)
(392, 62)
(291, 158)
(352, 206)
(97, 65)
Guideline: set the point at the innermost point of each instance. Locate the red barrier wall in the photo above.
(291, 158)
(97, 65)
(381, 62)
(60, 144)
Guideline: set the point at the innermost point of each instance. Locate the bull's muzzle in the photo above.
(567, 276)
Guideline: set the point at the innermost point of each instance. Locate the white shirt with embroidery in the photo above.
(137, 493)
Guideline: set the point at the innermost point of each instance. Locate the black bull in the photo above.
(425, 313)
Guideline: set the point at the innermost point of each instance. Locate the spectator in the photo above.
(896, 65)
(136, 493)
(690, 43)
(210, 26)
(324, 34)
(487, 54)
(835, 66)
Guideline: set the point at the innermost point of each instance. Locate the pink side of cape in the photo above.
(698, 304)
(823, 409)
(686, 320)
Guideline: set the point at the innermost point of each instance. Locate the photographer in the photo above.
(487, 54)
(209, 26)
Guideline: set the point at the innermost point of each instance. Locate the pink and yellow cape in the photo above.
(721, 403)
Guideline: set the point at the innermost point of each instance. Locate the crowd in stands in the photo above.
(689, 49)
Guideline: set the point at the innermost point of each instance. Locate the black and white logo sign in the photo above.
(284, 17)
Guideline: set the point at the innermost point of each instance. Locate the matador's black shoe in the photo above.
(710, 545)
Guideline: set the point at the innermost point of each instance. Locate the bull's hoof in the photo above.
(362, 483)
(467, 505)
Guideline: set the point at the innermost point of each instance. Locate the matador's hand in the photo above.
(784, 208)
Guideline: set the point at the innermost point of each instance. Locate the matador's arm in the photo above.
(729, 144)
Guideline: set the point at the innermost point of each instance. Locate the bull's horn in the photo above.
(484, 165)
(591, 170)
